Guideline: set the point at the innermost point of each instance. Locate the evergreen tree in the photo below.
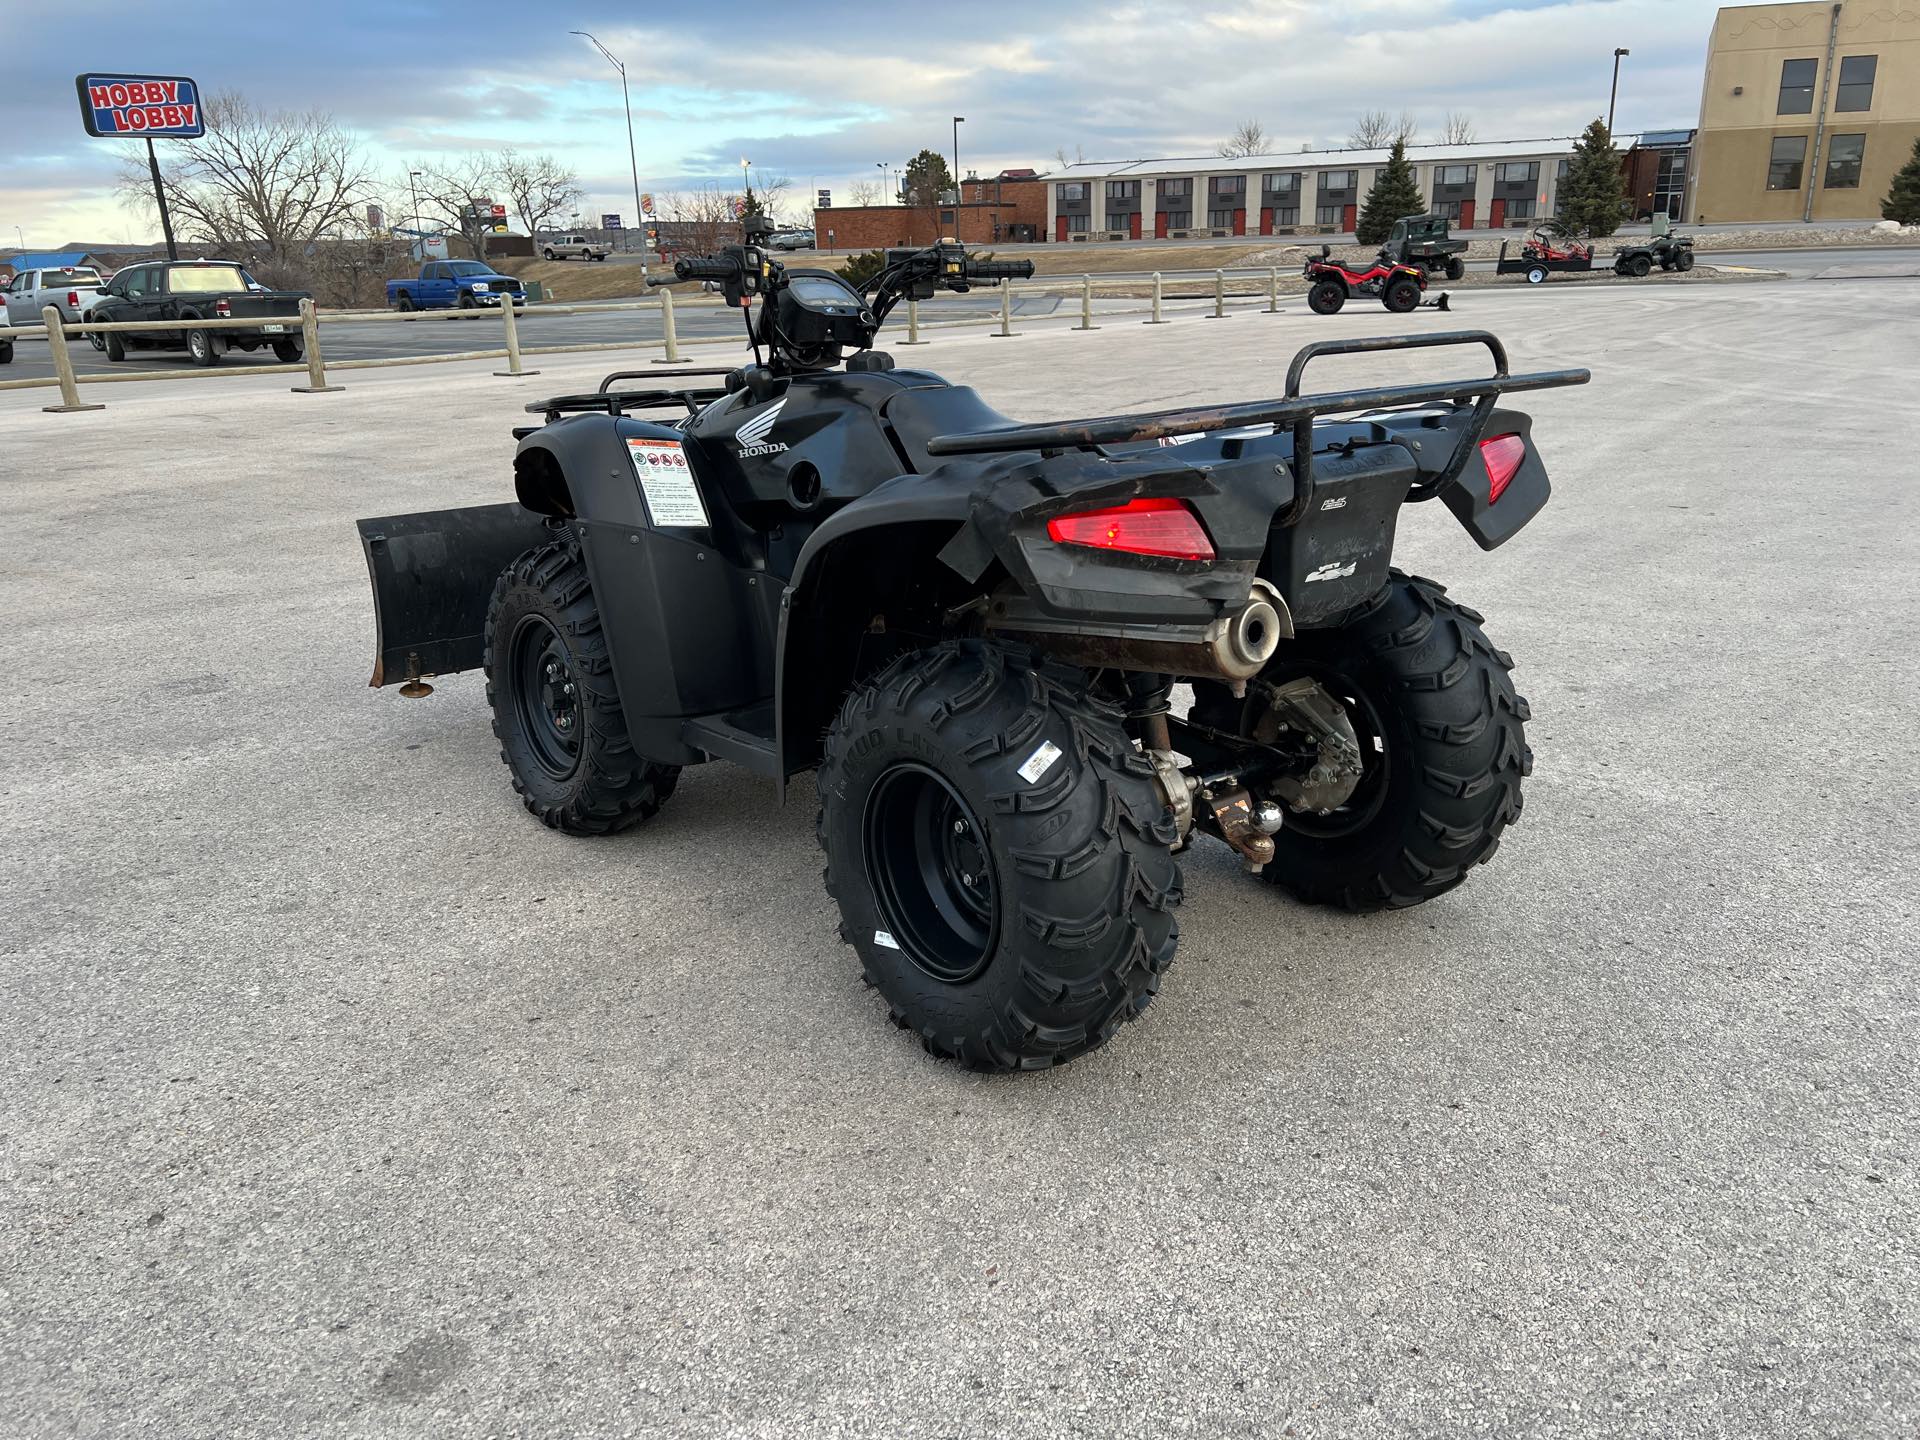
(1593, 197)
(926, 178)
(1395, 193)
(1903, 200)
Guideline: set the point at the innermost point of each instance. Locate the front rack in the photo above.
(1294, 410)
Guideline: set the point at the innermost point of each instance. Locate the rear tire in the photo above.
(1326, 297)
(1402, 295)
(556, 709)
(1456, 267)
(1639, 267)
(1011, 923)
(1443, 739)
(288, 352)
(1536, 274)
(202, 348)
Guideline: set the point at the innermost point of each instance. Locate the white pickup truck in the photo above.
(571, 247)
(73, 290)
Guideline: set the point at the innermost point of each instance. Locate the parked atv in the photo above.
(972, 629)
(1552, 246)
(1426, 241)
(1398, 286)
(1669, 252)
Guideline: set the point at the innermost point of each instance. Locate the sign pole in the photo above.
(160, 194)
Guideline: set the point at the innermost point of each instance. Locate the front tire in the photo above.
(1326, 297)
(556, 709)
(467, 302)
(1000, 855)
(1402, 296)
(116, 347)
(1684, 260)
(1443, 747)
(1639, 267)
(546, 254)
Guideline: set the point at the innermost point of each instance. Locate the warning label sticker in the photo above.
(666, 480)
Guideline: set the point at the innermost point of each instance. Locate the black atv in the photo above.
(1426, 241)
(1669, 252)
(972, 629)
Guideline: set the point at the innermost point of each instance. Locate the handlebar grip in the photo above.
(705, 267)
(999, 270)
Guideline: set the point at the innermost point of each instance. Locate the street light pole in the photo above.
(1615, 91)
(881, 166)
(633, 156)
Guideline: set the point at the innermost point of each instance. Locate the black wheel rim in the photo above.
(546, 696)
(928, 863)
(1370, 730)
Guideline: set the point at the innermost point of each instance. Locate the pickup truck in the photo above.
(67, 290)
(199, 290)
(467, 284)
(571, 247)
(6, 342)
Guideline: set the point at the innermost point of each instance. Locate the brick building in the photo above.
(1002, 209)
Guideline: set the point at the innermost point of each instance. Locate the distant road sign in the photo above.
(162, 106)
(646, 203)
(823, 200)
(610, 222)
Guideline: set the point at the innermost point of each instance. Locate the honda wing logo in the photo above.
(752, 436)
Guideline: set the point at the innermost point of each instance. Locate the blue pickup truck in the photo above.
(447, 284)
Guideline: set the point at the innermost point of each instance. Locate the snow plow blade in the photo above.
(433, 574)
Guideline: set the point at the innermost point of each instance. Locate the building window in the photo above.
(1447, 210)
(1229, 184)
(1123, 190)
(1856, 82)
(1339, 180)
(1175, 189)
(1673, 170)
(1286, 216)
(1519, 210)
(1072, 192)
(1517, 172)
(1796, 86)
(1844, 153)
(1079, 224)
(1220, 219)
(1784, 166)
(1453, 174)
(1560, 169)
(1329, 215)
(1283, 184)
(1178, 219)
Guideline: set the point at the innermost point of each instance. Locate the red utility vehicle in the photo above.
(1398, 286)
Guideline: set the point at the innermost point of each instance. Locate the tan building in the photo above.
(1807, 110)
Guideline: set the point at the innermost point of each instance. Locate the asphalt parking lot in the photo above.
(342, 1099)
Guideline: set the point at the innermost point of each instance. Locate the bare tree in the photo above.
(864, 192)
(1078, 157)
(701, 220)
(539, 189)
(775, 194)
(1249, 139)
(270, 182)
(1457, 129)
(457, 195)
(1375, 130)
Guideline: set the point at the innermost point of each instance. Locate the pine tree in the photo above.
(1395, 193)
(1903, 200)
(1593, 197)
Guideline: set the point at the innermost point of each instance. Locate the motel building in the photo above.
(1511, 184)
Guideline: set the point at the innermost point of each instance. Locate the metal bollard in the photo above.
(62, 364)
(1219, 295)
(316, 367)
(513, 339)
(913, 324)
(1156, 320)
(1086, 304)
(1005, 332)
(1273, 292)
(671, 335)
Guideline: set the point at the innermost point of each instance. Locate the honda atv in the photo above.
(973, 628)
(1669, 252)
(1398, 286)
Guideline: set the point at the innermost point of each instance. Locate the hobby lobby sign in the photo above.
(157, 106)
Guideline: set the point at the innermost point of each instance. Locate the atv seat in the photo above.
(917, 415)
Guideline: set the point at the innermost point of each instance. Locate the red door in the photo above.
(1133, 225)
(1239, 222)
(1347, 217)
(1159, 224)
(1466, 215)
(1266, 220)
(1496, 220)
(1060, 227)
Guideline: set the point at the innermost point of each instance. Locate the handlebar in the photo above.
(706, 267)
(999, 269)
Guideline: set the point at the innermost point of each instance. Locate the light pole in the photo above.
(881, 166)
(958, 121)
(746, 184)
(1615, 91)
(633, 157)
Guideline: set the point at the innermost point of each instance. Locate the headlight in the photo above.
(481, 285)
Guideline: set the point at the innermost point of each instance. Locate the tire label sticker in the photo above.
(1039, 762)
(881, 937)
(666, 480)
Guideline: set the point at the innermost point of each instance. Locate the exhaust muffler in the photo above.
(1235, 646)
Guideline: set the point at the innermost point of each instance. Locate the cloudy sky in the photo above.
(823, 91)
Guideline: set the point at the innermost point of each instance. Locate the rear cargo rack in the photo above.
(1294, 410)
(608, 401)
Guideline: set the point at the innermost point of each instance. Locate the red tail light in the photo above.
(73, 299)
(1503, 455)
(1140, 527)
(222, 310)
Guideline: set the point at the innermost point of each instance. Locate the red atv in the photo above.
(1558, 247)
(1398, 286)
